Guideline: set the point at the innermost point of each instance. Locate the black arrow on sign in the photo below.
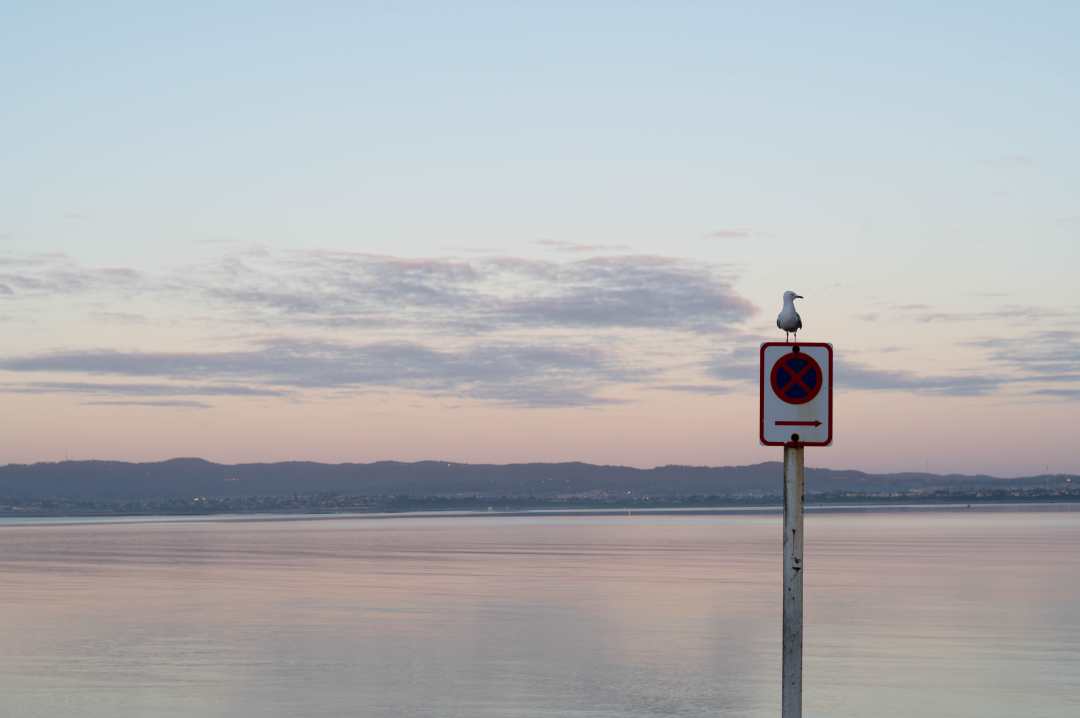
(798, 423)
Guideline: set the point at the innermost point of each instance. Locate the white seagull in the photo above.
(789, 319)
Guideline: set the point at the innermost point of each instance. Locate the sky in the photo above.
(508, 232)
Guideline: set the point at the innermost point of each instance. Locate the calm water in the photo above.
(944, 613)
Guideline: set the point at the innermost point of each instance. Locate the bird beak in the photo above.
(798, 296)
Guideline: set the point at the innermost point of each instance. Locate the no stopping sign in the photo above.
(796, 394)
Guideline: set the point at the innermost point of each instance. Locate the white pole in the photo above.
(794, 489)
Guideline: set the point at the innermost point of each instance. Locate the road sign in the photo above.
(796, 394)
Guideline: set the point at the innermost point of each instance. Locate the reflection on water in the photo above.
(956, 613)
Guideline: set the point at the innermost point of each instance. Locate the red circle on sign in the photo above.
(796, 378)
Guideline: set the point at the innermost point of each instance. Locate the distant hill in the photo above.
(184, 478)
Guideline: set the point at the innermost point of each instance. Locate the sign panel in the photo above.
(796, 393)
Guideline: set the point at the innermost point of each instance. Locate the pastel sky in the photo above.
(500, 232)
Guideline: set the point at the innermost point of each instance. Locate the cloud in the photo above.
(1022, 314)
(428, 295)
(1059, 393)
(1065, 378)
(853, 375)
(1010, 312)
(738, 365)
(519, 374)
(120, 317)
(341, 289)
(164, 403)
(1046, 355)
(731, 233)
(57, 274)
(743, 366)
(706, 389)
(633, 291)
(505, 329)
(117, 389)
(575, 248)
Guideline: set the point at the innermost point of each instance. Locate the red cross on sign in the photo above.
(796, 378)
(796, 394)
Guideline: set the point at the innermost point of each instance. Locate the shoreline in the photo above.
(9, 520)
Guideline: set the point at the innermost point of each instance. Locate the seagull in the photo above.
(789, 319)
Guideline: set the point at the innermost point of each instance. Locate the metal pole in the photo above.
(794, 489)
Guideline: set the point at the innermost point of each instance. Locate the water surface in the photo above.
(939, 613)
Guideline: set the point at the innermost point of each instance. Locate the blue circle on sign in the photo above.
(796, 378)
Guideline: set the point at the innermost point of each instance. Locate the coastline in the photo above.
(9, 520)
